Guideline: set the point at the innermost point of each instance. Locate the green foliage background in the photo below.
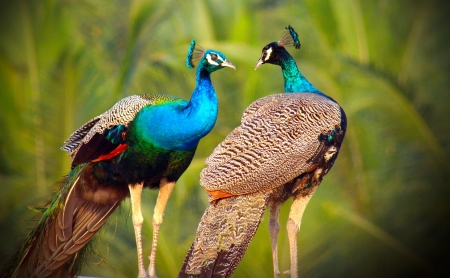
(383, 209)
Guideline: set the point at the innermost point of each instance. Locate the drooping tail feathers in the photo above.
(56, 245)
(223, 235)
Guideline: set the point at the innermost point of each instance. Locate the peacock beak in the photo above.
(259, 63)
(229, 64)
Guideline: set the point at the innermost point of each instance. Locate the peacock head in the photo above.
(209, 60)
(273, 52)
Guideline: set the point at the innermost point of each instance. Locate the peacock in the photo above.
(143, 141)
(285, 145)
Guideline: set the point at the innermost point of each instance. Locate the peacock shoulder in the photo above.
(122, 113)
(253, 108)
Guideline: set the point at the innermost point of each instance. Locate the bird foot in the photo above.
(150, 276)
(145, 275)
(287, 272)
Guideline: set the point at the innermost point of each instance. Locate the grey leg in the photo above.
(274, 228)
(293, 227)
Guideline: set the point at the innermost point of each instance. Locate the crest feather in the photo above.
(195, 53)
(289, 37)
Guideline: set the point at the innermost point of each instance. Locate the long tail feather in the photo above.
(55, 247)
(223, 235)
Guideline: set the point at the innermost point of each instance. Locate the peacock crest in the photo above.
(211, 60)
(195, 53)
(289, 37)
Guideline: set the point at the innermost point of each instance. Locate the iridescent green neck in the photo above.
(294, 81)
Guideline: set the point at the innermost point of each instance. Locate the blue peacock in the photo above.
(143, 141)
(285, 145)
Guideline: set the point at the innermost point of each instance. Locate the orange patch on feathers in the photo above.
(217, 194)
(314, 167)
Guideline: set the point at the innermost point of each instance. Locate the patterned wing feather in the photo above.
(91, 135)
(276, 142)
(75, 138)
(262, 103)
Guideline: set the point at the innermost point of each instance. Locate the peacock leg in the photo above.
(274, 228)
(135, 195)
(165, 189)
(293, 226)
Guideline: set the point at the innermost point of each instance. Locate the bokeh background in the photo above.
(383, 211)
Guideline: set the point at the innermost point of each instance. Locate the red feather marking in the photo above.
(314, 167)
(112, 154)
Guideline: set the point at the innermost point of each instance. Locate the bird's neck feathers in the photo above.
(203, 105)
(180, 125)
(294, 81)
(204, 94)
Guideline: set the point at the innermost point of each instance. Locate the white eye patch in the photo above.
(211, 61)
(268, 52)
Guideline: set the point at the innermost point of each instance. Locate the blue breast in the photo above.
(173, 126)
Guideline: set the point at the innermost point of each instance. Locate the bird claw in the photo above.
(144, 275)
(287, 272)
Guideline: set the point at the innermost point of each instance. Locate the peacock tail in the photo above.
(66, 225)
(223, 235)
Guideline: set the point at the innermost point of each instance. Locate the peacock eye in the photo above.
(214, 57)
(266, 54)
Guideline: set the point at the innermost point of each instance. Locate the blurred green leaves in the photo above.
(383, 209)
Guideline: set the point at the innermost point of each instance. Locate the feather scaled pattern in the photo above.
(285, 145)
(143, 141)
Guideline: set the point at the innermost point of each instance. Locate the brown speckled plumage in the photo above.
(224, 233)
(265, 159)
(272, 145)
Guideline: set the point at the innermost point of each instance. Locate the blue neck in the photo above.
(203, 100)
(294, 81)
(180, 125)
